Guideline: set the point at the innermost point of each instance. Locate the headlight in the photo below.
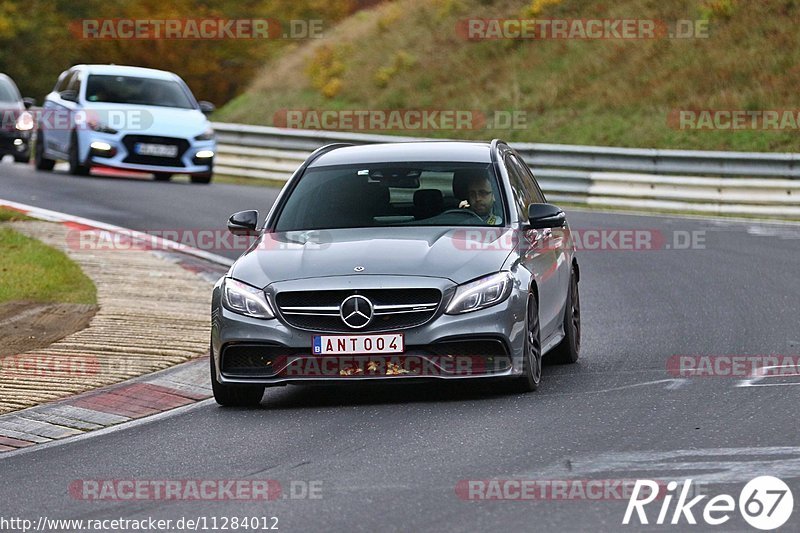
(24, 122)
(245, 299)
(207, 135)
(481, 293)
(102, 128)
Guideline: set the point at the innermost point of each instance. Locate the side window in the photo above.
(535, 191)
(75, 83)
(63, 81)
(522, 197)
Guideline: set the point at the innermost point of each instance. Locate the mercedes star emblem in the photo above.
(356, 311)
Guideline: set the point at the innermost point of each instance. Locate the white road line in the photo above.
(761, 375)
(672, 384)
(710, 465)
(158, 242)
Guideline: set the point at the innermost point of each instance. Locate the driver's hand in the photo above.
(464, 204)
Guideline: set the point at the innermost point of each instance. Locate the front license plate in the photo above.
(358, 344)
(157, 150)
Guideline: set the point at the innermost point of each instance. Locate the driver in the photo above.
(481, 200)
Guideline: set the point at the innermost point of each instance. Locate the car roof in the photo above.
(8, 78)
(124, 70)
(423, 151)
(5, 78)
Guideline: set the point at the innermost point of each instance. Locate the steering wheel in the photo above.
(462, 211)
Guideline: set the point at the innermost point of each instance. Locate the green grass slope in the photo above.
(32, 271)
(407, 54)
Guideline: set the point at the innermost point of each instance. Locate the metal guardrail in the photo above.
(744, 183)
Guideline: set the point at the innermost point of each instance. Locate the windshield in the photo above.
(396, 194)
(137, 90)
(7, 92)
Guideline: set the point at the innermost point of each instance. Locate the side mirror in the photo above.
(545, 216)
(29, 102)
(243, 223)
(69, 95)
(206, 107)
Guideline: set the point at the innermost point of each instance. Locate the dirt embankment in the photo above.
(26, 326)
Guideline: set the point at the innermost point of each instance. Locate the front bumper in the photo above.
(15, 142)
(482, 344)
(121, 157)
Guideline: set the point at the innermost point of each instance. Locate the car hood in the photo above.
(458, 254)
(149, 120)
(12, 107)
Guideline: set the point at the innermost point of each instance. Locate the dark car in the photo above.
(17, 122)
(422, 260)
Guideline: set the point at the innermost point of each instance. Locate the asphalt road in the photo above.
(134, 202)
(389, 458)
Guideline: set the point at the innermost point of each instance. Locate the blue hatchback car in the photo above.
(128, 118)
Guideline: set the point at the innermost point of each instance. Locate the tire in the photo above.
(75, 166)
(532, 362)
(202, 178)
(162, 176)
(41, 162)
(235, 395)
(568, 350)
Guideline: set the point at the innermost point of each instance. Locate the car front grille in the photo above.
(394, 309)
(464, 357)
(130, 142)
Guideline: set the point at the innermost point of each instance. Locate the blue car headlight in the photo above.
(102, 128)
(207, 135)
(481, 293)
(245, 299)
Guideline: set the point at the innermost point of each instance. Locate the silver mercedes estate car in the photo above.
(414, 260)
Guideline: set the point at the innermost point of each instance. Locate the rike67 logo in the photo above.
(765, 503)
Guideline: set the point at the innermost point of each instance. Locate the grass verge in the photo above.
(32, 271)
(408, 54)
(10, 215)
